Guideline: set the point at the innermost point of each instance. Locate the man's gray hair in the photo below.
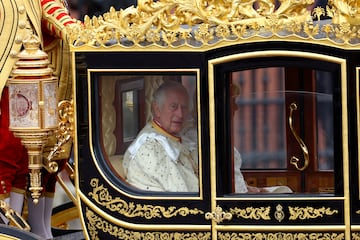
(160, 93)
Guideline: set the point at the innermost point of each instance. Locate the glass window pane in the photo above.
(149, 130)
(282, 129)
(258, 121)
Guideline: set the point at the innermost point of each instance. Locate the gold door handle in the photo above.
(294, 160)
(218, 216)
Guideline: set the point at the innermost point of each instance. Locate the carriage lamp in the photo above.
(33, 106)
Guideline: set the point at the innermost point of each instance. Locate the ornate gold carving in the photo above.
(96, 223)
(279, 213)
(101, 195)
(195, 23)
(252, 213)
(355, 236)
(13, 216)
(218, 216)
(344, 11)
(309, 212)
(280, 236)
(63, 134)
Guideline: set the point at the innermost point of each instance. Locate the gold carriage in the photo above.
(276, 81)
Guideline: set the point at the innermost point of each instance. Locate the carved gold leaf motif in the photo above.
(252, 213)
(95, 224)
(101, 195)
(309, 212)
(194, 23)
(355, 235)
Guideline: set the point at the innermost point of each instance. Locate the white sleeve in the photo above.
(240, 184)
(151, 169)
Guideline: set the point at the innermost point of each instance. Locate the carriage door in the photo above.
(273, 161)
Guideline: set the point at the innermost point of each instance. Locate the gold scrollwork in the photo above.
(96, 223)
(64, 133)
(252, 213)
(280, 236)
(309, 212)
(101, 195)
(355, 236)
(201, 22)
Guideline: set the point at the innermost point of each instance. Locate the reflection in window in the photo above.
(259, 123)
(270, 146)
(325, 123)
(130, 113)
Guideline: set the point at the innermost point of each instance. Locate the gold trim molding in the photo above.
(96, 223)
(198, 23)
(101, 195)
(309, 212)
(280, 236)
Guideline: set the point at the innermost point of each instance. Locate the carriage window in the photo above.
(149, 127)
(282, 130)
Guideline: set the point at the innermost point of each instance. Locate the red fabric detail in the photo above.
(4, 108)
(53, 29)
(49, 180)
(13, 155)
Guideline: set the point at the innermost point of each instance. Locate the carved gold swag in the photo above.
(101, 195)
(197, 23)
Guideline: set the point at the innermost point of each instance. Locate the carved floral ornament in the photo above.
(199, 23)
(101, 196)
